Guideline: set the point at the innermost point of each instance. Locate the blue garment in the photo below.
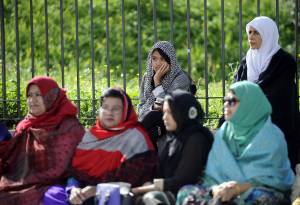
(264, 162)
(58, 194)
(4, 133)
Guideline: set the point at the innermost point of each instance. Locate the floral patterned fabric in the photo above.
(200, 195)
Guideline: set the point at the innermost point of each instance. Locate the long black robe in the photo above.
(278, 82)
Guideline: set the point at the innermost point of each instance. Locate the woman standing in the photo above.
(274, 70)
(42, 147)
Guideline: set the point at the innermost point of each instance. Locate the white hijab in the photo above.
(259, 59)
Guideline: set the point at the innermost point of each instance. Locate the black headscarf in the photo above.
(185, 109)
(188, 114)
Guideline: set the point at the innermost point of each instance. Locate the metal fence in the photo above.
(8, 6)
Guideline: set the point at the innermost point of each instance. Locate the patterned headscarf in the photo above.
(259, 59)
(169, 50)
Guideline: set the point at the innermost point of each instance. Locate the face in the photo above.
(254, 38)
(157, 61)
(169, 121)
(35, 101)
(110, 113)
(231, 103)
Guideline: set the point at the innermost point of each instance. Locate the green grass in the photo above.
(89, 108)
(87, 113)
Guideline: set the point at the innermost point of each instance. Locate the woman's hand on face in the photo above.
(76, 196)
(160, 73)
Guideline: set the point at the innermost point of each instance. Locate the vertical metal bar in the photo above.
(139, 41)
(92, 56)
(297, 55)
(205, 59)
(32, 39)
(171, 21)
(154, 21)
(17, 58)
(123, 46)
(3, 58)
(222, 48)
(46, 38)
(77, 57)
(62, 45)
(277, 13)
(258, 7)
(241, 28)
(188, 36)
(107, 45)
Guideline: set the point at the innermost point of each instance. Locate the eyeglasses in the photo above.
(114, 110)
(232, 101)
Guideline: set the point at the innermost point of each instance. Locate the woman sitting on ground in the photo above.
(163, 75)
(248, 163)
(184, 156)
(115, 149)
(42, 146)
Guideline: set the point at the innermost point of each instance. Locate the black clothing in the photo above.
(187, 163)
(154, 125)
(184, 156)
(278, 84)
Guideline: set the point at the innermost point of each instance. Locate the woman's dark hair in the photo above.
(163, 54)
(117, 93)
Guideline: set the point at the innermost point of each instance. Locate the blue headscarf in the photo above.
(262, 157)
(253, 111)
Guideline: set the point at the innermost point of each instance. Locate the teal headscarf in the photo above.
(251, 114)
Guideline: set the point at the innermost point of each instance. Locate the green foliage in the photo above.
(114, 61)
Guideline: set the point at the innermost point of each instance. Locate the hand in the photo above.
(89, 191)
(297, 201)
(226, 191)
(160, 73)
(157, 106)
(147, 183)
(76, 196)
(143, 189)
